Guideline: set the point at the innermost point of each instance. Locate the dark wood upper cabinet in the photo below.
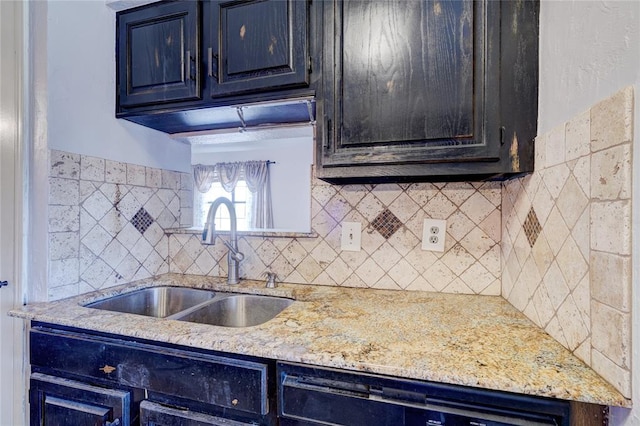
(159, 54)
(179, 62)
(426, 90)
(255, 45)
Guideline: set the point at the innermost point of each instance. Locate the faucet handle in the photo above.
(271, 279)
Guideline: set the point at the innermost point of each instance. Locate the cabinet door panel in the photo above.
(255, 37)
(57, 401)
(404, 83)
(256, 45)
(426, 90)
(412, 71)
(158, 54)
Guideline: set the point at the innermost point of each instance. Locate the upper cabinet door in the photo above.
(408, 83)
(412, 90)
(159, 54)
(255, 45)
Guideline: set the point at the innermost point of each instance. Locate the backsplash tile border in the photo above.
(470, 263)
(97, 235)
(574, 281)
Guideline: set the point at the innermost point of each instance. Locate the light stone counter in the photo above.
(479, 341)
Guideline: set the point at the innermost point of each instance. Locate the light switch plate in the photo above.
(434, 232)
(351, 236)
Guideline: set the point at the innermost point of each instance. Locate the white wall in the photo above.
(80, 90)
(588, 51)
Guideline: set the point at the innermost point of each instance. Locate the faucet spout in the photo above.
(234, 257)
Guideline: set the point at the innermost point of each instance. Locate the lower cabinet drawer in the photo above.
(210, 379)
(152, 414)
(58, 401)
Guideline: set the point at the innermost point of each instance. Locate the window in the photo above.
(241, 198)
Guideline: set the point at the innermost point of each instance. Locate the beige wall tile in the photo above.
(611, 177)
(555, 146)
(64, 165)
(578, 136)
(574, 329)
(571, 202)
(612, 121)
(611, 280)
(614, 374)
(611, 227)
(610, 333)
(92, 168)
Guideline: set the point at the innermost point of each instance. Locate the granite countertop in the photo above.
(479, 341)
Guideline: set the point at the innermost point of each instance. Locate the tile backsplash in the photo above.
(107, 221)
(556, 244)
(391, 217)
(566, 239)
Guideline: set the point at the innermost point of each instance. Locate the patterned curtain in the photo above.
(255, 173)
(203, 177)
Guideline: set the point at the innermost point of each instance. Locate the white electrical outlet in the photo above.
(433, 234)
(351, 235)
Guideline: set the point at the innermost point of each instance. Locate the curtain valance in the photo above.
(255, 173)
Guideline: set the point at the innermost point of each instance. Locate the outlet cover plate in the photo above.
(351, 236)
(434, 232)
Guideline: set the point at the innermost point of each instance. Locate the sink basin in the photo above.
(238, 310)
(156, 301)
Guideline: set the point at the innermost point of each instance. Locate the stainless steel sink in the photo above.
(238, 310)
(156, 301)
(196, 305)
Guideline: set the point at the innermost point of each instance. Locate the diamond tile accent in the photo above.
(532, 227)
(142, 220)
(386, 223)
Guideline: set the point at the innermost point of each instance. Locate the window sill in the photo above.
(274, 233)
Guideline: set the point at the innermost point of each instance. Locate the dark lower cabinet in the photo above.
(58, 401)
(85, 378)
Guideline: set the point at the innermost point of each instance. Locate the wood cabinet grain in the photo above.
(419, 90)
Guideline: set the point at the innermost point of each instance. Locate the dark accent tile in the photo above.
(386, 223)
(142, 220)
(532, 227)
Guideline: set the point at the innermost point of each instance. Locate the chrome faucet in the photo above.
(209, 237)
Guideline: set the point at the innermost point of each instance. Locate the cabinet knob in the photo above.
(107, 369)
(234, 402)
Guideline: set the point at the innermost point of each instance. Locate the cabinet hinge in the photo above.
(502, 135)
(310, 64)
